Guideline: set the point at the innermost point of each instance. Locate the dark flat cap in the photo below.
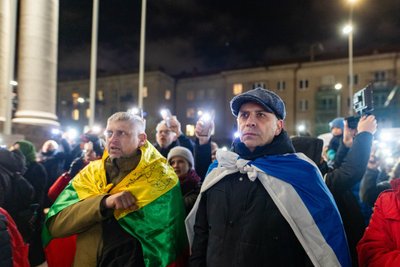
(270, 101)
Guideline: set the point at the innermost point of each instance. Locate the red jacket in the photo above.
(380, 245)
(19, 248)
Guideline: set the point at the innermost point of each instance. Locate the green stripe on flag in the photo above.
(160, 228)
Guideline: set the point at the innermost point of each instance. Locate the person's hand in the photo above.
(120, 201)
(201, 129)
(175, 126)
(348, 135)
(367, 124)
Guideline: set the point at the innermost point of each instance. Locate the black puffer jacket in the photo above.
(238, 224)
(349, 170)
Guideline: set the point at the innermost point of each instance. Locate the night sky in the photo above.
(183, 36)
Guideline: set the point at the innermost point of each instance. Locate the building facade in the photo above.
(307, 88)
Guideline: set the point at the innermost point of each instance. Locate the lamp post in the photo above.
(348, 29)
(338, 87)
(141, 54)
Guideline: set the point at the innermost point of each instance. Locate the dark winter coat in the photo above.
(340, 182)
(238, 224)
(202, 158)
(182, 140)
(190, 188)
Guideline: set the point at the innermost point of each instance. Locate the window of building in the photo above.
(258, 84)
(211, 93)
(237, 88)
(190, 113)
(190, 129)
(100, 95)
(200, 94)
(327, 103)
(303, 84)
(281, 85)
(75, 97)
(379, 100)
(75, 114)
(303, 105)
(380, 76)
(190, 95)
(355, 79)
(145, 91)
(88, 113)
(168, 94)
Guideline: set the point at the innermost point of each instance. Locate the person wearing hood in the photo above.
(36, 175)
(261, 204)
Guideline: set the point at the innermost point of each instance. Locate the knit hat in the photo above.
(28, 149)
(270, 101)
(337, 123)
(181, 152)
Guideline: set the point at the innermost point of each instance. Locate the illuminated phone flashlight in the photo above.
(55, 131)
(206, 117)
(72, 133)
(165, 113)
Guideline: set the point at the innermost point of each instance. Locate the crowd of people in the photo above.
(272, 200)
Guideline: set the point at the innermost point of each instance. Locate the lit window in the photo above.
(190, 113)
(75, 97)
(190, 130)
(167, 94)
(237, 88)
(100, 95)
(190, 95)
(75, 114)
(145, 91)
(88, 113)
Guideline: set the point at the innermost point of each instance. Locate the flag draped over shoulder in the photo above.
(158, 223)
(296, 187)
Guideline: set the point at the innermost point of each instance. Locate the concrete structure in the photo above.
(306, 87)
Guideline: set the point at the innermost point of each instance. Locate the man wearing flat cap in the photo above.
(262, 204)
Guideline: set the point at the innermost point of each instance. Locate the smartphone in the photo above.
(166, 115)
(206, 120)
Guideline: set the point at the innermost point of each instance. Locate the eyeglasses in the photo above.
(117, 133)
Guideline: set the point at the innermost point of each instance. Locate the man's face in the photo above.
(122, 139)
(164, 136)
(180, 165)
(257, 127)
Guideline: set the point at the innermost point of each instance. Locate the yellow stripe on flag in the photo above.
(152, 178)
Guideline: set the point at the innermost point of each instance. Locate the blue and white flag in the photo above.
(296, 186)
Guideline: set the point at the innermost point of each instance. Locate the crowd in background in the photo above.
(352, 165)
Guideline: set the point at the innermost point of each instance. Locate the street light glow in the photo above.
(347, 29)
(338, 86)
(81, 100)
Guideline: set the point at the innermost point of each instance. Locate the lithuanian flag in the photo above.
(158, 223)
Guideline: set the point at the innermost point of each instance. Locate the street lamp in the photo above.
(338, 87)
(348, 29)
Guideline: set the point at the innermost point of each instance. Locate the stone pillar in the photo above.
(37, 63)
(5, 24)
